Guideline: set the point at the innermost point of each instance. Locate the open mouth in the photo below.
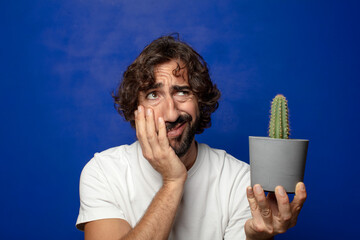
(176, 131)
(176, 128)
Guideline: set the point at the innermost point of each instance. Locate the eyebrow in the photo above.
(175, 87)
(181, 88)
(155, 86)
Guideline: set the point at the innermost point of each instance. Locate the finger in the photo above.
(151, 129)
(285, 213)
(300, 196)
(141, 132)
(264, 207)
(140, 124)
(252, 201)
(254, 207)
(298, 201)
(162, 136)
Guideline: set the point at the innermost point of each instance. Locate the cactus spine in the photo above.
(279, 119)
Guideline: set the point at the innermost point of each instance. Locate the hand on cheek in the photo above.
(155, 146)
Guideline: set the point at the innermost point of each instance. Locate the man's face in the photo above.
(172, 99)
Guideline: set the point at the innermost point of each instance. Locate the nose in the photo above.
(171, 112)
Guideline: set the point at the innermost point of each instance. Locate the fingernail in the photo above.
(139, 108)
(258, 188)
(136, 113)
(302, 186)
(281, 191)
(250, 191)
(148, 111)
(161, 120)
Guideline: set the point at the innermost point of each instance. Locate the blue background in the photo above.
(60, 61)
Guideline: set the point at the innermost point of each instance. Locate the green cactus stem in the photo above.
(279, 119)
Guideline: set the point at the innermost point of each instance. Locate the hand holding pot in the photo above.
(273, 214)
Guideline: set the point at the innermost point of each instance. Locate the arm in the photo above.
(158, 219)
(273, 214)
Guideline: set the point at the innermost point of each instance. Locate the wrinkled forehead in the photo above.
(174, 70)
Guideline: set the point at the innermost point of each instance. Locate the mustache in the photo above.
(180, 120)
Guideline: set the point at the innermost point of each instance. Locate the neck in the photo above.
(190, 156)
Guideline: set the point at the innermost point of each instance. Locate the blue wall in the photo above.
(60, 60)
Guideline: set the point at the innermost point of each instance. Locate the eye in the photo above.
(152, 96)
(182, 93)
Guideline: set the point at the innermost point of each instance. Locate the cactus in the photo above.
(279, 119)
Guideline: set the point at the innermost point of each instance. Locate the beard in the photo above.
(184, 141)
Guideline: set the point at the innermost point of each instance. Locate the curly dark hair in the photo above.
(139, 77)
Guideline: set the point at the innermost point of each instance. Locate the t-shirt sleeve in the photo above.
(239, 208)
(96, 198)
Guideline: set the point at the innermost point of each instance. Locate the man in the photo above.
(166, 185)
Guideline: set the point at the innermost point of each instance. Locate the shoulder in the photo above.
(114, 159)
(223, 159)
(102, 182)
(117, 153)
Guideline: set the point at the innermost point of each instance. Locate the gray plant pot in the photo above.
(276, 162)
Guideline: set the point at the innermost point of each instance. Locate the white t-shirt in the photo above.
(120, 183)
